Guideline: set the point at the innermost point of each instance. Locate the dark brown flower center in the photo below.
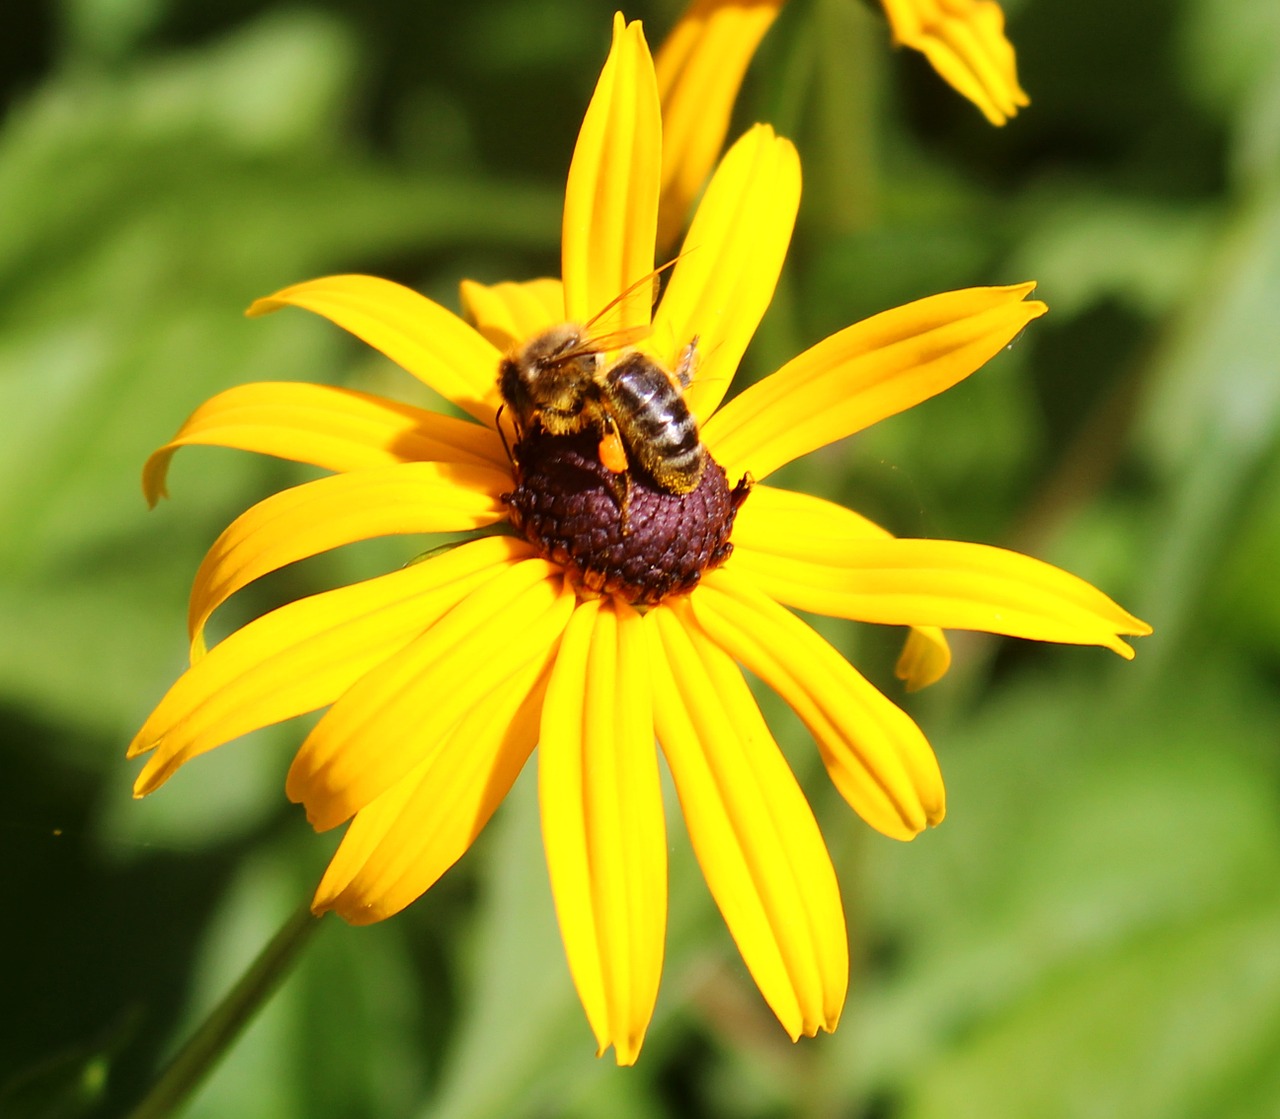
(571, 508)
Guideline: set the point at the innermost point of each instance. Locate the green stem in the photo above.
(219, 1031)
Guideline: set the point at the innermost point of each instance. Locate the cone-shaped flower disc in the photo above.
(611, 605)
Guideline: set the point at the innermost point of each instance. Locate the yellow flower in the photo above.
(964, 41)
(441, 677)
(702, 62)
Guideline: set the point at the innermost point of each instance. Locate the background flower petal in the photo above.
(602, 821)
(417, 334)
(876, 755)
(416, 497)
(337, 429)
(393, 718)
(700, 67)
(511, 313)
(965, 43)
(611, 199)
(397, 847)
(751, 827)
(800, 519)
(942, 583)
(304, 655)
(864, 373)
(730, 262)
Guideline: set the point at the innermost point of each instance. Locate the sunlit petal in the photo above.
(964, 41)
(751, 828)
(391, 720)
(303, 656)
(700, 67)
(602, 821)
(420, 336)
(868, 371)
(772, 514)
(942, 583)
(798, 519)
(511, 313)
(306, 520)
(338, 429)
(876, 756)
(730, 262)
(397, 847)
(611, 200)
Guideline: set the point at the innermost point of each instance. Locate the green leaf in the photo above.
(140, 212)
(1135, 1033)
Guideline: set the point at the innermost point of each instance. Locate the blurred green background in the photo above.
(1094, 931)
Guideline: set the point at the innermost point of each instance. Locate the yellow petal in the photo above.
(337, 429)
(876, 756)
(420, 336)
(750, 826)
(942, 583)
(864, 373)
(771, 514)
(774, 514)
(303, 656)
(925, 658)
(396, 716)
(602, 822)
(316, 516)
(611, 200)
(730, 262)
(964, 41)
(510, 313)
(398, 846)
(700, 67)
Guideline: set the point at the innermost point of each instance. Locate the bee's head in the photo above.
(551, 371)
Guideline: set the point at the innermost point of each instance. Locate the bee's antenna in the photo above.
(616, 340)
(647, 278)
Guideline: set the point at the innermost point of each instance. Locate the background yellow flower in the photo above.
(702, 62)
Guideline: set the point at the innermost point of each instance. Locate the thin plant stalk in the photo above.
(220, 1030)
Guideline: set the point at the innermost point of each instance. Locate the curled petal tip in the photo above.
(147, 783)
(317, 815)
(1128, 627)
(263, 306)
(625, 1052)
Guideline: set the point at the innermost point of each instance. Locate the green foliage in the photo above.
(1092, 931)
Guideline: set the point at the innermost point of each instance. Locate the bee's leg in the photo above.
(497, 422)
(613, 456)
(688, 363)
(620, 485)
(623, 481)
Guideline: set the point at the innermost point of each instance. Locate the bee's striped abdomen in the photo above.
(656, 425)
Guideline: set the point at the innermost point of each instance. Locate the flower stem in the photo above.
(219, 1031)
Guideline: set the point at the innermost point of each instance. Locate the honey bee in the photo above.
(561, 380)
